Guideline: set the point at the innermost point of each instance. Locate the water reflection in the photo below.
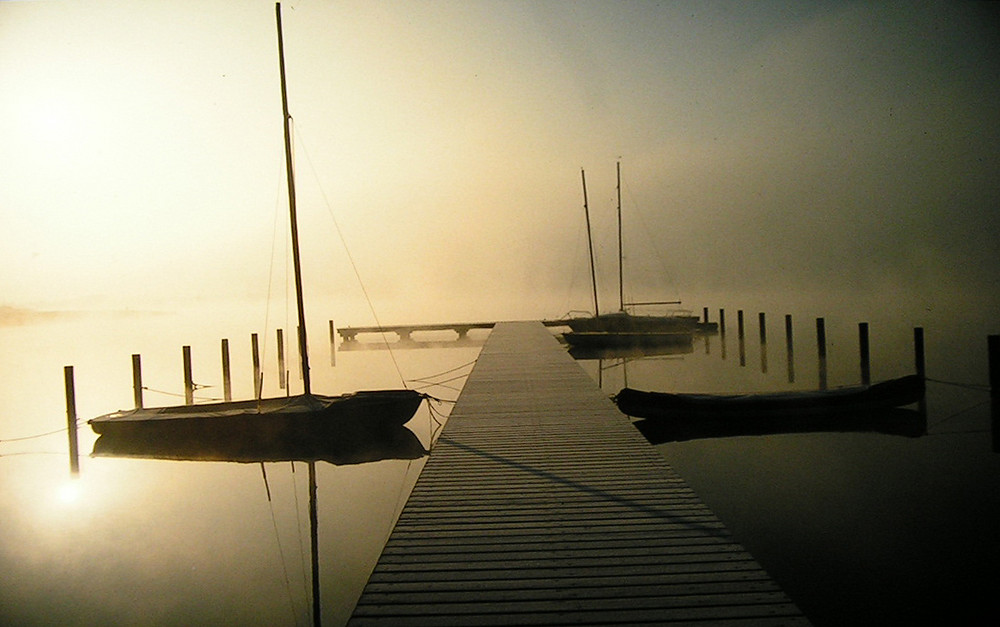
(889, 520)
(902, 422)
(351, 446)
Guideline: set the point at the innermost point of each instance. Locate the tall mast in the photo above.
(590, 242)
(290, 175)
(621, 282)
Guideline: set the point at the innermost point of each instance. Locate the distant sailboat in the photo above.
(622, 329)
(263, 421)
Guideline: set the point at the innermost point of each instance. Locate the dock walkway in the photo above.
(542, 505)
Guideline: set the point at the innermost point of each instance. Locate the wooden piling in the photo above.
(258, 382)
(281, 359)
(993, 348)
(74, 447)
(918, 350)
(137, 380)
(865, 356)
(740, 337)
(333, 345)
(821, 351)
(227, 381)
(188, 378)
(789, 348)
(722, 331)
(763, 341)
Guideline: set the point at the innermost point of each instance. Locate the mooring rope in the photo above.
(429, 380)
(80, 422)
(958, 413)
(968, 386)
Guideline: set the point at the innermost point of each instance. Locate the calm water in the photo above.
(859, 528)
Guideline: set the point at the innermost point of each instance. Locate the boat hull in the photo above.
(259, 423)
(878, 397)
(627, 323)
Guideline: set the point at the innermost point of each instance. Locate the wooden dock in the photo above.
(404, 332)
(542, 505)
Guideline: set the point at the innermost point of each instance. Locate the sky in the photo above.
(769, 146)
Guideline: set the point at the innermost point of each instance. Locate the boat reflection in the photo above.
(349, 445)
(626, 350)
(909, 423)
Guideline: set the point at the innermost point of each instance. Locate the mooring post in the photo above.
(763, 341)
(789, 348)
(281, 359)
(740, 337)
(821, 351)
(227, 382)
(866, 370)
(333, 345)
(137, 380)
(704, 315)
(993, 348)
(74, 448)
(258, 383)
(722, 331)
(188, 378)
(918, 350)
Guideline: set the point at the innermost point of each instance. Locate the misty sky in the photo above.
(772, 145)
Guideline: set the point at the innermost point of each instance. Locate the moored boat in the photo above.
(283, 418)
(863, 398)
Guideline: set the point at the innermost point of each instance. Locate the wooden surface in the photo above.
(542, 505)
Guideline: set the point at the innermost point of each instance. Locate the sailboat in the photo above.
(622, 329)
(262, 422)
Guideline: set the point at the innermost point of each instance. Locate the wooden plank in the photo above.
(541, 504)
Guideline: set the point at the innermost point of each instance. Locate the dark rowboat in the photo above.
(855, 399)
(258, 422)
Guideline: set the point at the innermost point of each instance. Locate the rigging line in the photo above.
(350, 258)
(270, 276)
(281, 551)
(645, 229)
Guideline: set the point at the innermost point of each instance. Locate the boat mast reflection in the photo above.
(352, 445)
